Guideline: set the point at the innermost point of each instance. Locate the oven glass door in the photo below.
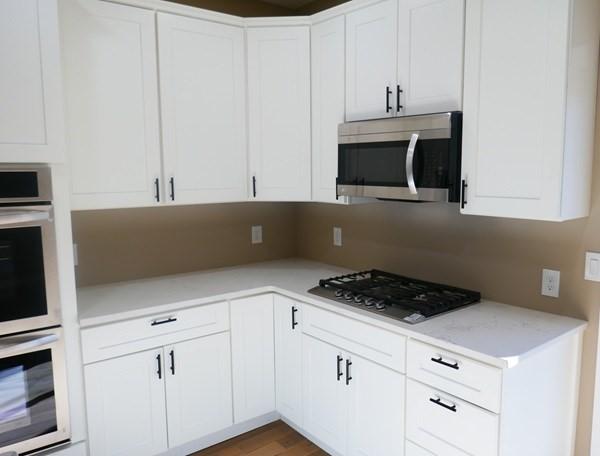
(28, 294)
(384, 164)
(32, 384)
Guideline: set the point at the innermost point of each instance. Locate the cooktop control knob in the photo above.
(348, 296)
(380, 305)
(370, 302)
(339, 293)
(358, 299)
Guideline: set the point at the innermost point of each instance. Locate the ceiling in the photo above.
(292, 4)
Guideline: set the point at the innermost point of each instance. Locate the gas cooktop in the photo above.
(398, 297)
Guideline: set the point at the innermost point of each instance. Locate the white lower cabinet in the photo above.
(352, 405)
(126, 405)
(198, 388)
(288, 358)
(253, 357)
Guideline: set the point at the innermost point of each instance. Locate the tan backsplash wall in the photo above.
(500, 257)
(117, 245)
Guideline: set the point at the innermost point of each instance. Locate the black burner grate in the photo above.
(425, 297)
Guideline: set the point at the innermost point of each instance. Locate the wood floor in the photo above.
(275, 439)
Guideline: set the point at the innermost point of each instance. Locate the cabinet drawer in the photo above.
(125, 337)
(370, 342)
(448, 426)
(458, 375)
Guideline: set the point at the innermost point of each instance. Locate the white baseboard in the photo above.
(310, 437)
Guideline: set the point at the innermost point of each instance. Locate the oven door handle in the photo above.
(410, 157)
(14, 216)
(18, 344)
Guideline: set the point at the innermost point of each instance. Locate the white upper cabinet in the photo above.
(530, 91)
(31, 107)
(198, 386)
(253, 357)
(328, 104)
(404, 57)
(371, 50)
(203, 105)
(430, 55)
(279, 113)
(111, 89)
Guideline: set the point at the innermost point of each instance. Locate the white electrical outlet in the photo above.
(592, 266)
(551, 283)
(337, 236)
(257, 235)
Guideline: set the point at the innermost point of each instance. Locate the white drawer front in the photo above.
(370, 342)
(460, 376)
(416, 450)
(449, 426)
(116, 339)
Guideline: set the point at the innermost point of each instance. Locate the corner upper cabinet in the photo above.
(31, 106)
(111, 86)
(530, 92)
(279, 113)
(404, 57)
(203, 105)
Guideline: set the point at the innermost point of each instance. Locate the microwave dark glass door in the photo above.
(22, 275)
(383, 164)
(27, 403)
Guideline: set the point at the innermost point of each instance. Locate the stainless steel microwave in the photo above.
(416, 158)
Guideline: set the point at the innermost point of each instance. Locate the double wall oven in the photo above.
(33, 403)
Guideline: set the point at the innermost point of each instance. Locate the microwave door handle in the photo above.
(410, 157)
(21, 216)
(18, 344)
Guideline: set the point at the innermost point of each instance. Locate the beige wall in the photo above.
(129, 244)
(502, 258)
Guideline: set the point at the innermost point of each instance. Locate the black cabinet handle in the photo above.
(441, 361)
(159, 371)
(388, 92)
(463, 194)
(294, 322)
(172, 355)
(163, 322)
(398, 92)
(348, 376)
(172, 185)
(339, 367)
(254, 186)
(439, 402)
(157, 190)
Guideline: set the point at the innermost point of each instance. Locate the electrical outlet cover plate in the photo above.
(550, 283)
(337, 236)
(257, 235)
(592, 266)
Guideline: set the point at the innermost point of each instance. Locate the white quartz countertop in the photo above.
(495, 333)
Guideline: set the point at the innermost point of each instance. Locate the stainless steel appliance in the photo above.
(397, 297)
(415, 158)
(33, 403)
(29, 297)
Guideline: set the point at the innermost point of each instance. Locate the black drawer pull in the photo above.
(172, 355)
(438, 401)
(159, 371)
(163, 322)
(339, 367)
(441, 361)
(294, 322)
(348, 376)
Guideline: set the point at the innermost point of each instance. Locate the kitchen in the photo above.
(133, 201)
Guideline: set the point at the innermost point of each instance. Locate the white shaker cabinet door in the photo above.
(112, 104)
(371, 50)
(325, 393)
(253, 357)
(288, 358)
(126, 405)
(279, 113)
(516, 53)
(31, 108)
(430, 55)
(328, 105)
(198, 376)
(376, 416)
(203, 105)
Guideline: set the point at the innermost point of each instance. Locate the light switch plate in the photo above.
(592, 266)
(550, 283)
(337, 236)
(257, 234)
